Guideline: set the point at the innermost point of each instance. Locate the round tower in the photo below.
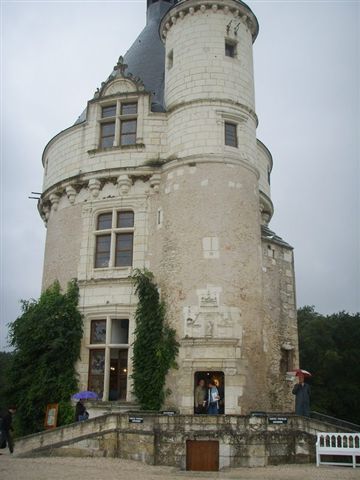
(207, 250)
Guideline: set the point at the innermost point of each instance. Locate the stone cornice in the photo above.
(267, 152)
(216, 101)
(211, 158)
(234, 8)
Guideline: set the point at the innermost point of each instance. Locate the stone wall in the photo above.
(161, 440)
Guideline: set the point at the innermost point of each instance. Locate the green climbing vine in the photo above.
(46, 341)
(155, 345)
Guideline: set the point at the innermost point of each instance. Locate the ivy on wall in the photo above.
(46, 340)
(155, 345)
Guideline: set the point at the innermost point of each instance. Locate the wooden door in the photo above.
(202, 456)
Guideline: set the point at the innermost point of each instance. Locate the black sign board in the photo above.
(278, 420)
(258, 414)
(169, 412)
(136, 420)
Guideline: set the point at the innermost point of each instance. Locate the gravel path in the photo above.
(53, 468)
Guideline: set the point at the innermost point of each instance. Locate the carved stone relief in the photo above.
(209, 319)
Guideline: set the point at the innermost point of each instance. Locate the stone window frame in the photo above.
(230, 123)
(107, 346)
(114, 231)
(118, 120)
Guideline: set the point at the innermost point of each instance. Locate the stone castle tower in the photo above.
(163, 170)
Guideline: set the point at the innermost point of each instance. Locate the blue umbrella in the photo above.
(85, 395)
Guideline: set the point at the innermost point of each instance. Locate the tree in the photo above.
(330, 349)
(155, 345)
(5, 362)
(46, 341)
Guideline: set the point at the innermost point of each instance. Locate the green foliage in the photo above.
(330, 349)
(46, 340)
(66, 413)
(5, 364)
(155, 345)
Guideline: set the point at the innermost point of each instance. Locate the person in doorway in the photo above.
(200, 397)
(213, 399)
(302, 400)
(6, 427)
(80, 412)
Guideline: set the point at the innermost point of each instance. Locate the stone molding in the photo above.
(220, 102)
(238, 11)
(229, 159)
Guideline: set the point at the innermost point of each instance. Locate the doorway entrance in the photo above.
(118, 374)
(202, 456)
(218, 378)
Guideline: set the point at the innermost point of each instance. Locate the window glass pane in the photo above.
(120, 331)
(109, 111)
(129, 108)
(124, 249)
(230, 134)
(125, 219)
(104, 221)
(128, 139)
(108, 129)
(98, 331)
(107, 142)
(102, 255)
(128, 126)
(107, 134)
(96, 371)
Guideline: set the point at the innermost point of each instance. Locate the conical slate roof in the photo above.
(146, 57)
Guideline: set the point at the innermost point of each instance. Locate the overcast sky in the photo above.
(55, 54)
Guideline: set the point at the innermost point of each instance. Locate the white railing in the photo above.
(338, 444)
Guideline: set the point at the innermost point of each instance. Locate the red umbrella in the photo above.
(300, 371)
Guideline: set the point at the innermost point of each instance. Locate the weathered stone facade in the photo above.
(244, 441)
(200, 213)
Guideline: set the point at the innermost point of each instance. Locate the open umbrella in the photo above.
(85, 395)
(300, 371)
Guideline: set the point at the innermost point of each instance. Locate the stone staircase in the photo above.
(161, 440)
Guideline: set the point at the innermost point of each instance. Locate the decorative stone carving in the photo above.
(173, 19)
(71, 193)
(54, 199)
(119, 72)
(46, 212)
(155, 182)
(124, 184)
(191, 10)
(94, 187)
(214, 8)
(202, 8)
(226, 10)
(209, 319)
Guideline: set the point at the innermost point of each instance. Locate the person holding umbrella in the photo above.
(80, 410)
(302, 394)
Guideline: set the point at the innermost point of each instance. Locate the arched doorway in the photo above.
(219, 380)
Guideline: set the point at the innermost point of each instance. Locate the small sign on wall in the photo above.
(136, 420)
(275, 420)
(51, 415)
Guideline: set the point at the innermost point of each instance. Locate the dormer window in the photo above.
(118, 124)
